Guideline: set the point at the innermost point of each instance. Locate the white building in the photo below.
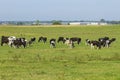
(93, 23)
(87, 23)
(74, 23)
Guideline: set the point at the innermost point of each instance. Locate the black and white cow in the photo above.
(52, 43)
(31, 40)
(96, 44)
(69, 43)
(7, 40)
(103, 41)
(43, 39)
(11, 40)
(108, 42)
(4, 40)
(93, 43)
(20, 42)
(87, 42)
(62, 39)
(76, 39)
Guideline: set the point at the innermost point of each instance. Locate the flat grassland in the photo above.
(40, 62)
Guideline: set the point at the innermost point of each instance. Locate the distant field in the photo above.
(40, 62)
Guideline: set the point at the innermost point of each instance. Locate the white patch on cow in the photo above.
(107, 43)
(92, 46)
(52, 44)
(11, 40)
(69, 43)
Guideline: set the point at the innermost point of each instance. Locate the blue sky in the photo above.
(59, 10)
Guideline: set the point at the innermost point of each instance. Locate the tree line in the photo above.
(53, 22)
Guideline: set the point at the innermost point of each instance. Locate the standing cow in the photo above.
(62, 39)
(108, 42)
(52, 43)
(31, 40)
(96, 44)
(76, 39)
(69, 43)
(4, 40)
(42, 39)
(7, 40)
(20, 42)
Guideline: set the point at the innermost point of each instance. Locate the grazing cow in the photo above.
(43, 39)
(108, 42)
(7, 40)
(33, 39)
(52, 43)
(76, 39)
(70, 43)
(87, 42)
(62, 39)
(103, 41)
(11, 40)
(20, 41)
(4, 40)
(29, 42)
(95, 44)
(113, 39)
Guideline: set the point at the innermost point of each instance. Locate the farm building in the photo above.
(87, 23)
(74, 23)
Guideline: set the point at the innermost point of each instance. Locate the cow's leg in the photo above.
(1, 43)
(24, 45)
(44, 41)
(92, 46)
(78, 42)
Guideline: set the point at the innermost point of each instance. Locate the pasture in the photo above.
(40, 62)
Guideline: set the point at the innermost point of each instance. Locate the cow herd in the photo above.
(101, 42)
(15, 42)
(12, 41)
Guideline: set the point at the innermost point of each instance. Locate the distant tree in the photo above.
(68, 23)
(56, 23)
(115, 22)
(37, 22)
(20, 23)
(82, 21)
(102, 20)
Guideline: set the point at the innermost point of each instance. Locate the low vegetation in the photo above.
(40, 62)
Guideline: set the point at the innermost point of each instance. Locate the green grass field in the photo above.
(40, 62)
